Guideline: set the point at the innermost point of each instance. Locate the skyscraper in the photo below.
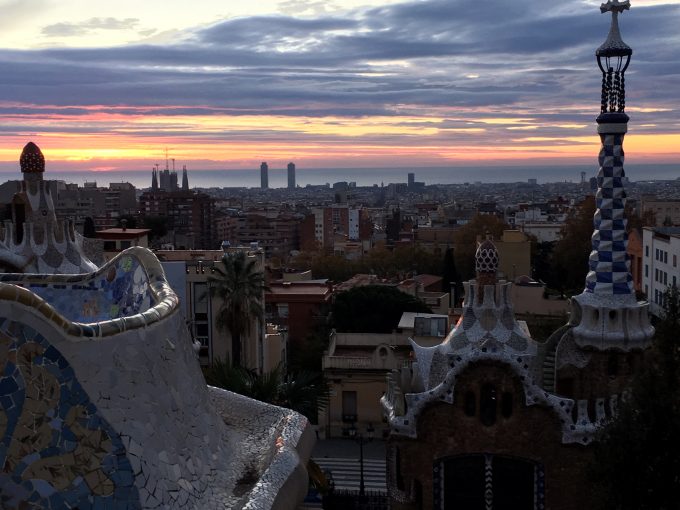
(291, 175)
(185, 179)
(264, 175)
(411, 179)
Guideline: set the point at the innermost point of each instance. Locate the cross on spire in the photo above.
(614, 45)
(615, 7)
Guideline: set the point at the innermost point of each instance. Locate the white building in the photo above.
(187, 272)
(353, 233)
(661, 250)
(543, 232)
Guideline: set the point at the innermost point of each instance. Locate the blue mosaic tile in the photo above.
(57, 452)
(120, 292)
(609, 265)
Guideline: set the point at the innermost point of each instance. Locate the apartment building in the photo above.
(661, 248)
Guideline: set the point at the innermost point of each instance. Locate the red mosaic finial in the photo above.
(32, 159)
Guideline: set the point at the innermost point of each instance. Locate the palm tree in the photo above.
(304, 392)
(239, 286)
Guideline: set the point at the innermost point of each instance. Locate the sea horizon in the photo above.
(278, 177)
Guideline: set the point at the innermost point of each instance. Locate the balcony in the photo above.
(347, 363)
(362, 363)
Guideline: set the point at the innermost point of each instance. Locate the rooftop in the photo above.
(407, 320)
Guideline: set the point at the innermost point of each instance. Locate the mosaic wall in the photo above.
(121, 290)
(609, 264)
(116, 414)
(56, 451)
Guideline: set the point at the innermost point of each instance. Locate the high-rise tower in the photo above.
(185, 179)
(610, 315)
(264, 175)
(291, 175)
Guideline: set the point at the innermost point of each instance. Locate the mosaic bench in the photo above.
(104, 406)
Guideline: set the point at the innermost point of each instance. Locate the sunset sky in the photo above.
(345, 83)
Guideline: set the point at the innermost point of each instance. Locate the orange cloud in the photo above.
(99, 136)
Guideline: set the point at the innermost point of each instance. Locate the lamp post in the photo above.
(361, 440)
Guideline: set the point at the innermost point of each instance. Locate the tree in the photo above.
(308, 355)
(570, 255)
(333, 267)
(158, 226)
(415, 259)
(543, 265)
(129, 219)
(239, 286)
(637, 460)
(636, 222)
(305, 392)
(450, 275)
(373, 309)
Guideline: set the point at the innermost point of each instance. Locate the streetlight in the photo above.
(360, 439)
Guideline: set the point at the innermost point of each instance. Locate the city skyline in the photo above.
(361, 83)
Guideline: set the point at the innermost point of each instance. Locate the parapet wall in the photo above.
(116, 413)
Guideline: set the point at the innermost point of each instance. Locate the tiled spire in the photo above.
(607, 314)
(609, 265)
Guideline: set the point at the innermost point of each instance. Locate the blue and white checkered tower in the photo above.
(610, 316)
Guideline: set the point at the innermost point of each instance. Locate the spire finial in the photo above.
(615, 7)
(613, 57)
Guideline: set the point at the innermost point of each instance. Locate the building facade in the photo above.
(189, 216)
(299, 307)
(188, 272)
(661, 250)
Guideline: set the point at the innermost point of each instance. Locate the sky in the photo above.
(345, 83)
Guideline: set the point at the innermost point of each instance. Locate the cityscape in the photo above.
(450, 296)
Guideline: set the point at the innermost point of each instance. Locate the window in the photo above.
(646, 270)
(665, 257)
(202, 332)
(487, 405)
(665, 278)
(200, 301)
(349, 406)
(675, 261)
(646, 251)
(429, 326)
(282, 310)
